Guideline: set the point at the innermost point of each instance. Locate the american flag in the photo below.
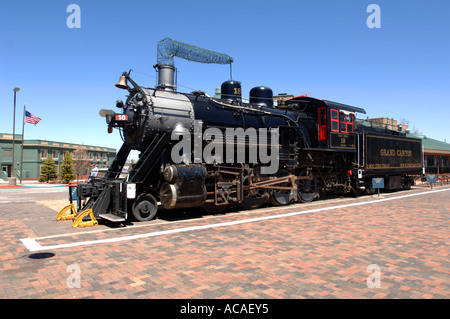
(30, 118)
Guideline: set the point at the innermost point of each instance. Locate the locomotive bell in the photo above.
(122, 84)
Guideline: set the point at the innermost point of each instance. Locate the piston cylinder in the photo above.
(184, 187)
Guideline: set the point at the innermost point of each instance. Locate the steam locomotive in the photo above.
(314, 145)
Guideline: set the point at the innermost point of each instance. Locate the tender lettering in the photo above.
(392, 152)
(387, 152)
(404, 153)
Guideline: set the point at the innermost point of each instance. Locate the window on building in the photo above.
(55, 154)
(43, 153)
(7, 152)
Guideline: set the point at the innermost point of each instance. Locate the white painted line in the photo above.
(32, 245)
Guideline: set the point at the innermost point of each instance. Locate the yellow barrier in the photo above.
(78, 222)
(62, 214)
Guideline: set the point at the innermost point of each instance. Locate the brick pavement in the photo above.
(323, 254)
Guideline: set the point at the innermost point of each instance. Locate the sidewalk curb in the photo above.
(43, 186)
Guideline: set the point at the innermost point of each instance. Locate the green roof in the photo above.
(431, 144)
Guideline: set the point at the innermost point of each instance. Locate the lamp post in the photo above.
(14, 131)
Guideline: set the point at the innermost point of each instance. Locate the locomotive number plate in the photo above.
(121, 117)
(342, 140)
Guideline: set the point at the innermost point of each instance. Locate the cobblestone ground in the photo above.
(397, 244)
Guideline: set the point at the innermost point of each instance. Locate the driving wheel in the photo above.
(280, 197)
(306, 188)
(253, 198)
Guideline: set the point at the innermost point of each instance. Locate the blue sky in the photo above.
(401, 70)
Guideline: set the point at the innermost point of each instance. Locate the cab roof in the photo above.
(330, 104)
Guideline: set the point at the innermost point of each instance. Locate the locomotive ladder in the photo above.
(149, 159)
(141, 172)
(119, 161)
(111, 194)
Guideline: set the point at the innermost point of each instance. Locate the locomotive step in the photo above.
(111, 217)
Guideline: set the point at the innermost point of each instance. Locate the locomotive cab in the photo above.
(331, 124)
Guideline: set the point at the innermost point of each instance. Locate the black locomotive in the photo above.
(307, 146)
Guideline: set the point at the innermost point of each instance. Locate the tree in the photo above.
(413, 130)
(81, 161)
(48, 170)
(67, 168)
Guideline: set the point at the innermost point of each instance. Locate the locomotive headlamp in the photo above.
(108, 114)
(139, 97)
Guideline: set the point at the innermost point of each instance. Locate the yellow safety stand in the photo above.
(62, 214)
(71, 208)
(78, 222)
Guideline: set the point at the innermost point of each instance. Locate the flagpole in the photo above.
(23, 137)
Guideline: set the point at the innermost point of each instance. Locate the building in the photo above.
(35, 152)
(436, 155)
(280, 99)
(388, 123)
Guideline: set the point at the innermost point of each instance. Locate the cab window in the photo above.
(350, 123)
(343, 122)
(334, 118)
(346, 122)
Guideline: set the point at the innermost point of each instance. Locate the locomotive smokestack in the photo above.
(168, 49)
(166, 77)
